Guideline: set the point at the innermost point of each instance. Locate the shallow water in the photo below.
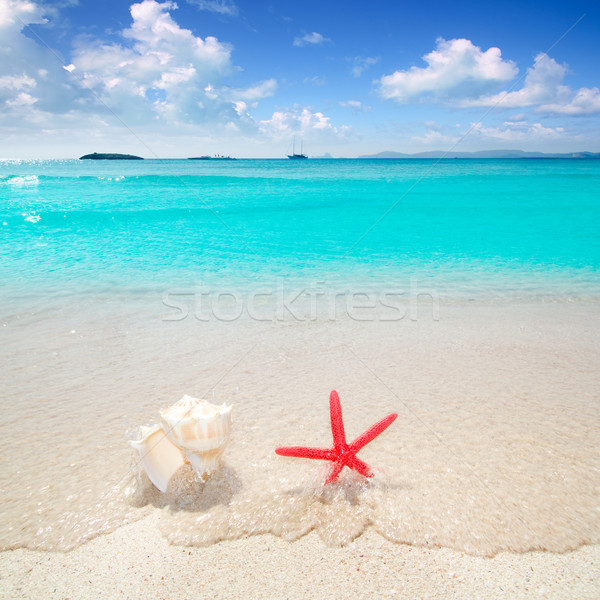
(495, 446)
(469, 228)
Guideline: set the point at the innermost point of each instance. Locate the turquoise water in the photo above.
(466, 227)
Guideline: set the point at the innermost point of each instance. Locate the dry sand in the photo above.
(136, 561)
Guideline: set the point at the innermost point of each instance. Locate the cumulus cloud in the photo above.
(163, 69)
(283, 124)
(14, 14)
(159, 70)
(29, 73)
(242, 99)
(545, 90)
(17, 82)
(160, 79)
(455, 68)
(360, 64)
(458, 71)
(223, 7)
(313, 38)
(22, 99)
(543, 83)
(585, 102)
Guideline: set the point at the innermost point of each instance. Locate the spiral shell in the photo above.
(159, 456)
(191, 430)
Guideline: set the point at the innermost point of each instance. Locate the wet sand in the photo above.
(487, 485)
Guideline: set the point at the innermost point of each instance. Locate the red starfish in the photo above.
(341, 454)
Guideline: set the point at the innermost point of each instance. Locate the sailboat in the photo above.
(295, 156)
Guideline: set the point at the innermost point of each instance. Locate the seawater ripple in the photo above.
(501, 217)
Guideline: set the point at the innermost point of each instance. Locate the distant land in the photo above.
(100, 156)
(482, 154)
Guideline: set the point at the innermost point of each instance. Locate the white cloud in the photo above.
(434, 137)
(310, 38)
(356, 106)
(543, 83)
(544, 89)
(286, 123)
(361, 64)
(17, 82)
(29, 73)
(242, 99)
(223, 7)
(455, 68)
(261, 90)
(241, 108)
(15, 13)
(517, 117)
(438, 135)
(161, 80)
(517, 131)
(585, 102)
(22, 99)
(164, 69)
(458, 71)
(315, 80)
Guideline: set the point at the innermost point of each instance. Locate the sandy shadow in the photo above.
(186, 492)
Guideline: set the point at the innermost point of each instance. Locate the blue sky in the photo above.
(243, 78)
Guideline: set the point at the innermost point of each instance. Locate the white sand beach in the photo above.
(136, 562)
(487, 482)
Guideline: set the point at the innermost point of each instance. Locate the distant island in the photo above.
(482, 154)
(100, 156)
(216, 157)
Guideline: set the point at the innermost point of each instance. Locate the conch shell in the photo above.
(191, 430)
(160, 457)
(200, 429)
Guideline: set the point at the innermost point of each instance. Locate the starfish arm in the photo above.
(370, 434)
(337, 423)
(335, 472)
(302, 452)
(358, 465)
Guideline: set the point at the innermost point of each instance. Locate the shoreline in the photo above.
(135, 561)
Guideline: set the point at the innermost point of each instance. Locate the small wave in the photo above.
(32, 218)
(22, 181)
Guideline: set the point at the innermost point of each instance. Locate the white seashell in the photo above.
(200, 429)
(160, 457)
